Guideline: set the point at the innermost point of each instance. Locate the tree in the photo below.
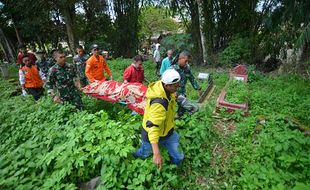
(189, 9)
(126, 27)
(67, 9)
(214, 23)
(154, 20)
(201, 26)
(6, 47)
(37, 22)
(95, 26)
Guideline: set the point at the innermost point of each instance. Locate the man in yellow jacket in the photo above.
(158, 121)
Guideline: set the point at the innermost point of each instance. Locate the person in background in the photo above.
(166, 63)
(62, 77)
(80, 63)
(43, 64)
(186, 74)
(135, 71)
(22, 50)
(157, 58)
(31, 78)
(158, 120)
(51, 57)
(96, 66)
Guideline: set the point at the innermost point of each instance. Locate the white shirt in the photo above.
(157, 55)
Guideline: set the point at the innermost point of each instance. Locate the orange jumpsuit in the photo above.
(95, 68)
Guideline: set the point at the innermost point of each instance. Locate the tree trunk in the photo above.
(208, 12)
(126, 23)
(202, 35)
(195, 32)
(19, 39)
(68, 13)
(89, 15)
(6, 47)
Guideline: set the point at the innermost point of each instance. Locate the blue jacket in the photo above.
(165, 64)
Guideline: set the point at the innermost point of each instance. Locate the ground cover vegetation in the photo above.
(45, 145)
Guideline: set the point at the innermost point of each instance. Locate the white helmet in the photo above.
(170, 76)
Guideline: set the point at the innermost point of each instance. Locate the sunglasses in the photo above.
(175, 85)
(175, 80)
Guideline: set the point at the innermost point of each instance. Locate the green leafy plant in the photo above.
(44, 145)
(237, 50)
(177, 42)
(236, 92)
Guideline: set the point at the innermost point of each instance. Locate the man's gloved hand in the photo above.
(181, 99)
(189, 106)
(194, 108)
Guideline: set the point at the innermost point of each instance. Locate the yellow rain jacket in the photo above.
(158, 120)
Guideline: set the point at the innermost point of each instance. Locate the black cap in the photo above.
(21, 46)
(53, 50)
(94, 46)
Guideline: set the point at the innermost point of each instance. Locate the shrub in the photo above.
(237, 50)
(177, 42)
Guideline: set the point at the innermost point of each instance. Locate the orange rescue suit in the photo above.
(95, 68)
(32, 77)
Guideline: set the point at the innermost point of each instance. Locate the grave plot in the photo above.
(234, 94)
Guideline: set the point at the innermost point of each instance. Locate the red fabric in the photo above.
(131, 74)
(31, 56)
(112, 91)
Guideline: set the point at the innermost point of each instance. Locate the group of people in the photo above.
(180, 64)
(63, 83)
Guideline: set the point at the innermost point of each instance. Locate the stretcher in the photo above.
(130, 94)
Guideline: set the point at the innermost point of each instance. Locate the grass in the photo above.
(237, 92)
(268, 149)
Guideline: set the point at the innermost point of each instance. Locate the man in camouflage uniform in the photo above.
(51, 59)
(185, 72)
(61, 76)
(43, 64)
(80, 63)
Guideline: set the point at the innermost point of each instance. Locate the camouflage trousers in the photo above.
(74, 98)
(81, 75)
